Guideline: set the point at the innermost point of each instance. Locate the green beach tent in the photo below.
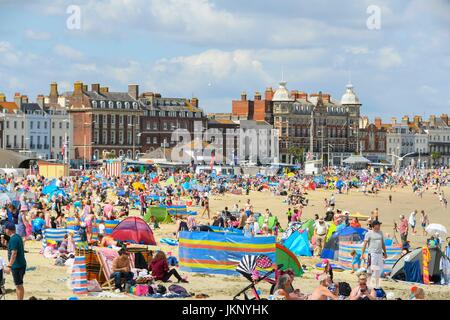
(308, 225)
(159, 213)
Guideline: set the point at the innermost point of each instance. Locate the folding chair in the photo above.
(106, 257)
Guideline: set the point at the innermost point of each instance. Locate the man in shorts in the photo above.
(16, 259)
(374, 242)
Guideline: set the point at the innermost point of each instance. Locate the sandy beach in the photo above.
(46, 280)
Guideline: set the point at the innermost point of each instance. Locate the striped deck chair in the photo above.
(106, 257)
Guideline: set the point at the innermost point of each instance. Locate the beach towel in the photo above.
(425, 262)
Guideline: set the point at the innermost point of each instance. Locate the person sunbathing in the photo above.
(106, 241)
(322, 292)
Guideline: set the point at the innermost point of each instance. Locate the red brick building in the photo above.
(258, 109)
(104, 122)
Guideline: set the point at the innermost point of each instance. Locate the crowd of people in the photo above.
(88, 202)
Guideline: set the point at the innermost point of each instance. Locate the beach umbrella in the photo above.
(138, 186)
(436, 228)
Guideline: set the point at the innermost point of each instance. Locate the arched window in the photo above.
(94, 104)
(119, 105)
(111, 104)
(121, 152)
(127, 105)
(135, 105)
(102, 104)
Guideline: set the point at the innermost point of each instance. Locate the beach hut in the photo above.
(134, 230)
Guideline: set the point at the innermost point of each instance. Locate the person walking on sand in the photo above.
(403, 229)
(206, 208)
(16, 259)
(390, 199)
(412, 221)
(320, 231)
(424, 222)
(374, 242)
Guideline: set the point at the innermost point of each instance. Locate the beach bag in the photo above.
(141, 290)
(178, 290)
(161, 289)
(381, 295)
(172, 261)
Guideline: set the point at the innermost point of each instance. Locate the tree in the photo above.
(297, 154)
(435, 156)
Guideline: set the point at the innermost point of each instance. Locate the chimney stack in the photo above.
(244, 96)
(433, 120)
(405, 119)
(95, 87)
(378, 123)
(104, 90)
(78, 88)
(18, 99)
(444, 118)
(268, 95)
(257, 95)
(2, 97)
(53, 90)
(24, 99)
(40, 100)
(417, 120)
(394, 120)
(85, 87)
(133, 91)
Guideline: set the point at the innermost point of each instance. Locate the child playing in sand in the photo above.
(356, 260)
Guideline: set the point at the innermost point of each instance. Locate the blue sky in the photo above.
(214, 49)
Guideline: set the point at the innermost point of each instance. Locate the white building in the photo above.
(406, 144)
(439, 144)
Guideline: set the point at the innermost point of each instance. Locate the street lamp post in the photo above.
(84, 156)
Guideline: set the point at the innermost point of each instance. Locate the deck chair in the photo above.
(106, 257)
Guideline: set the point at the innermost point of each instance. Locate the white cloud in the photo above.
(37, 35)
(356, 50)
(428, 90)
(68, 52)
(388, 58)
